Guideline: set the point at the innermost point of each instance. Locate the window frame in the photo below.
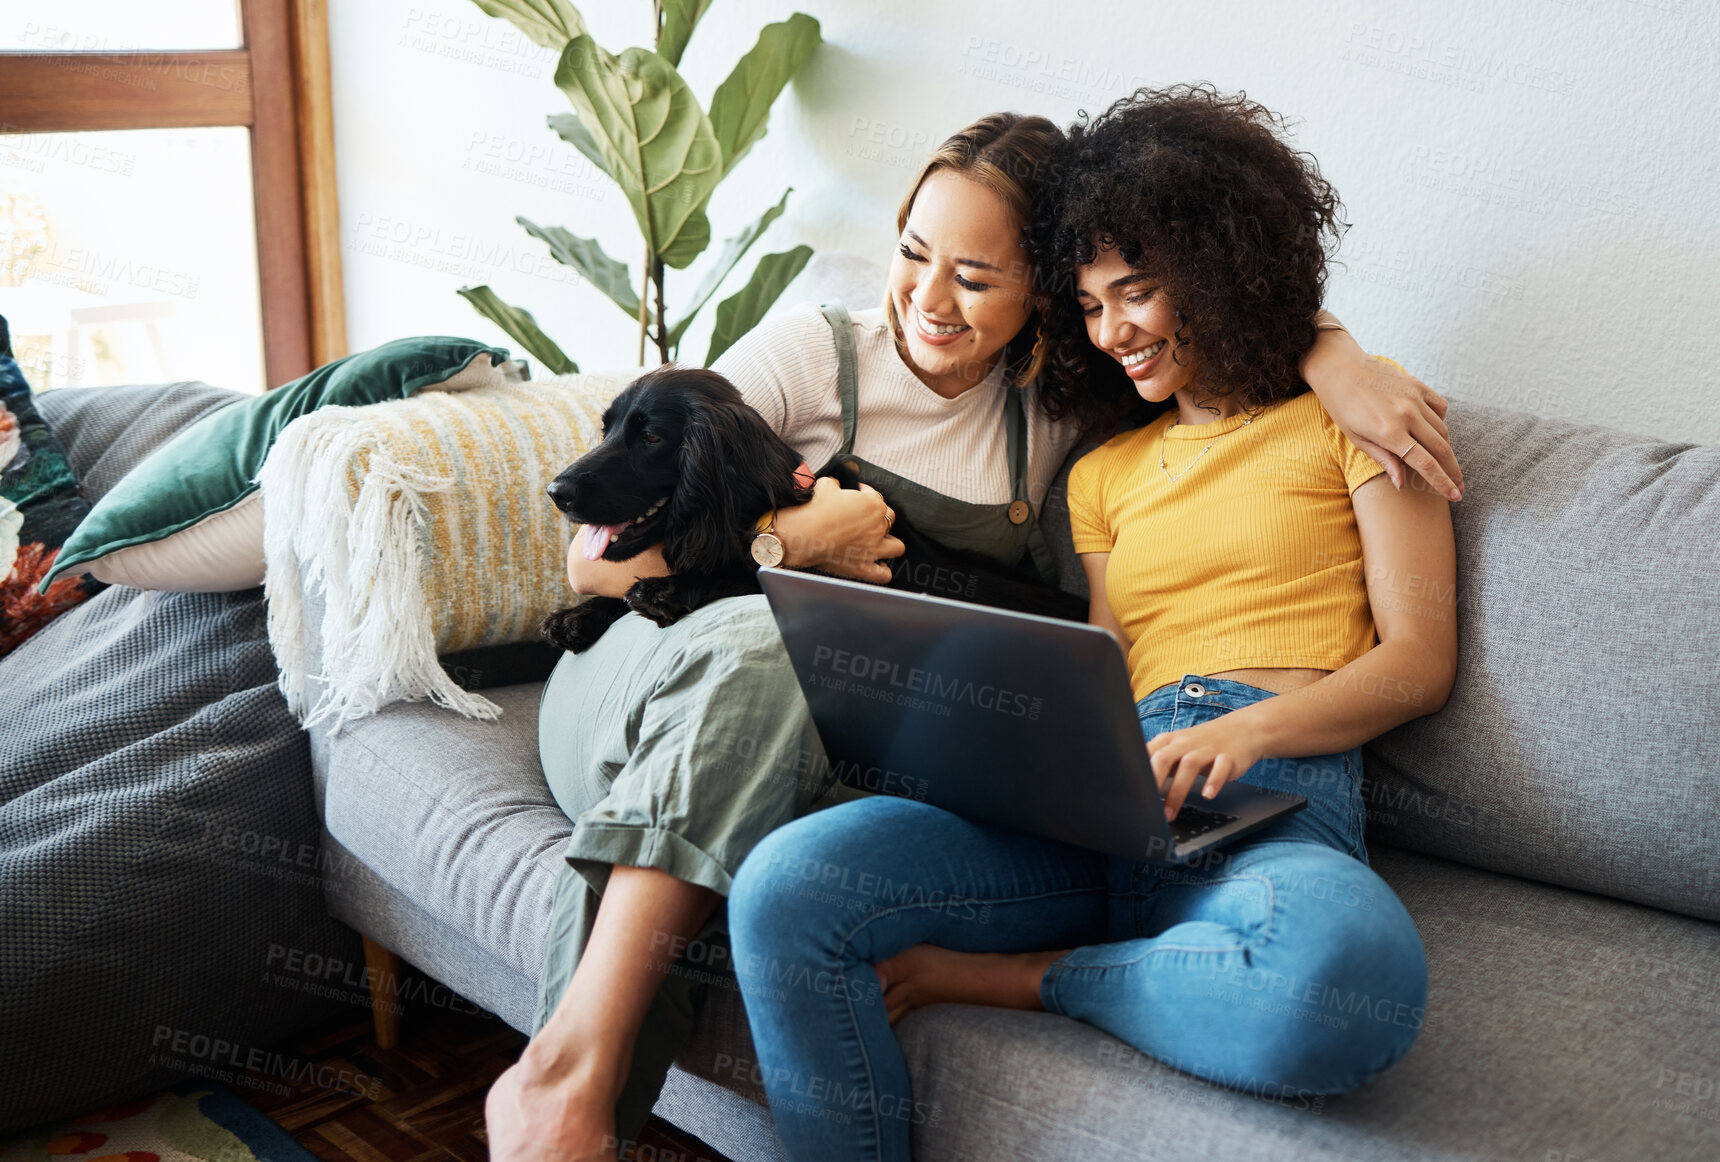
(278, 86)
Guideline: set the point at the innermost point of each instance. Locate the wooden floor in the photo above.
(421, 1101)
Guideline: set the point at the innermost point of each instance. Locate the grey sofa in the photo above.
(1554, 831)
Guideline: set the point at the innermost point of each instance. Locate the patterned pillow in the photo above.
(40, 504)
(424, 527)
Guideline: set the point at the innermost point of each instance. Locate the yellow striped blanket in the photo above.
(425, 527)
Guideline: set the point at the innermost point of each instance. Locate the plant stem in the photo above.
(662, 331)
(644, 304)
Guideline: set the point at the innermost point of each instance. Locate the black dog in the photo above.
(685, 461)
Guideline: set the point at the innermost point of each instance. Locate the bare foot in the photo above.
(928, 975)
(536, 1114)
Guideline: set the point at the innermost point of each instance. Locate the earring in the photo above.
(1020, 369)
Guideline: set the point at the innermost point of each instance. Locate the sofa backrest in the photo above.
(1581, 744)
(107, 431)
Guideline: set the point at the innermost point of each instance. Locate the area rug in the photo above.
(195, 1121)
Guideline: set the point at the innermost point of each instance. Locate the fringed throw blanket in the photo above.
(425, 526)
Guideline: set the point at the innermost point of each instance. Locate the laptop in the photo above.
(1011, 719)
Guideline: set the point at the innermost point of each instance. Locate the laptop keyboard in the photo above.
(1192, 822)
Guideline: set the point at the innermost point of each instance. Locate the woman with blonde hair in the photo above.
(675, 751)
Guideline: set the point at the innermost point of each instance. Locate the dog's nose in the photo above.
(561, 491)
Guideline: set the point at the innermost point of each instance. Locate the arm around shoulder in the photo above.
(1389, 413)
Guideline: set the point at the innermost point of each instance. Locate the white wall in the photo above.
(1532, 182)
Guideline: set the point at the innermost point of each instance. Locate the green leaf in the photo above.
(740, 312)
(740, 107)
(679, 19)
(653, 137)
(551, 23)
(695, 235)
(733, 251)
(572, 130)
(587, 257)
(520, 326)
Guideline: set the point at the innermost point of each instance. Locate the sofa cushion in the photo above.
(1559, 1026)
(455, 813)
(479, 980)
(158, 849)
(1586, 563)
(1559, 1023)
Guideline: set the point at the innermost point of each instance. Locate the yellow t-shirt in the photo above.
(1249, 558)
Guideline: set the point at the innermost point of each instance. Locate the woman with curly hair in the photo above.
(1278, 603)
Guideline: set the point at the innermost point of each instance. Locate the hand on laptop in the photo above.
(1222, 749)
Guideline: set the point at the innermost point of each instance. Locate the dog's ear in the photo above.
(729, 457)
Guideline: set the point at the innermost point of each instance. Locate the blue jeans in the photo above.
(1281, 966)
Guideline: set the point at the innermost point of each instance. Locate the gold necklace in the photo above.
(1165, 468)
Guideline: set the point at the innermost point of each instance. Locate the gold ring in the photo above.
(889, 518)
(1412, 447)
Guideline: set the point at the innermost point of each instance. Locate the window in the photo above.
(167, 200)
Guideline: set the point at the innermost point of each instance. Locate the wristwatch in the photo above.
(766, 545)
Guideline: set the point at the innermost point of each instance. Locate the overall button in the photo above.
(1019, 511)
(1195, 690)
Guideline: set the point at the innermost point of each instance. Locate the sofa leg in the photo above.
(384, 975)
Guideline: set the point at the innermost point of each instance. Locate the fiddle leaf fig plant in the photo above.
(635, 118)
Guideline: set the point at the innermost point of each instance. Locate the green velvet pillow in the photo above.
(189, 517)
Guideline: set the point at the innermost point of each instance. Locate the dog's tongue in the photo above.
(597, 538)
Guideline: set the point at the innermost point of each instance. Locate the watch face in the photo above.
(767, 549)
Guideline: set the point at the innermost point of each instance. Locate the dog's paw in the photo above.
(658, 598)
(577, 628)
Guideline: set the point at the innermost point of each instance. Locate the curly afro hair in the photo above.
(1197, 189)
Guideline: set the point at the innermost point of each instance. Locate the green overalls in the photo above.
(1003, 532)
(680, 748)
